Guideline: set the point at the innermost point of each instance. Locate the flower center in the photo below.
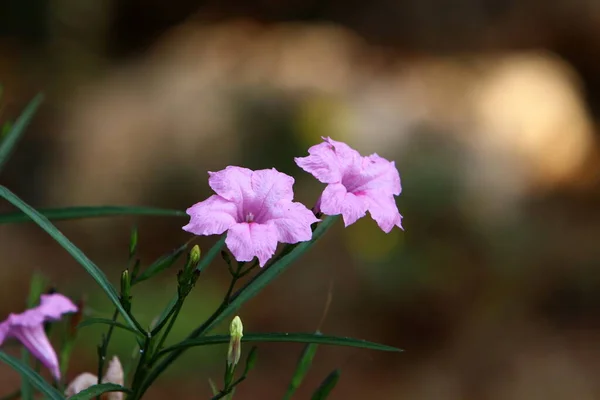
(249, 217)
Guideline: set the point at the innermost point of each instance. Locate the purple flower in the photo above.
(28, 328)
(256, 210)
(355, 184)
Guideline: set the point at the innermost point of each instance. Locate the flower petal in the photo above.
(384, 211)
(336, 200)
(269, 187)
(53, 306)
(4, 330)
(379, 174)
(114, 374)
(293, 221)
(249, 240)
(35, 340)
(232, 183)
(80, 383)
(212, 216)
(329, 160)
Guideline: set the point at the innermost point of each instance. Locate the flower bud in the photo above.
(195, 254)
(126, 290)
(236, 330)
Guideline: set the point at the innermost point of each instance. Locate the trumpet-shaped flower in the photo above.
(256, 210)
(28, 328)
(355, 184)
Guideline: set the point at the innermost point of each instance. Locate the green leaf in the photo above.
(304, 364)
(12, 137)
(269, 273)
(97, 390)
(161, 264)
(90, 212)
(133, 242)
(282, 337)
(244, 294)
(34, 378)
(211, 254)
(73, 250)
(106, 321)
(36, 289)
(327, 386)
(251, 360)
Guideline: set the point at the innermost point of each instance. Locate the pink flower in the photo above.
(356, 184)
(28, 328)
(256, 210)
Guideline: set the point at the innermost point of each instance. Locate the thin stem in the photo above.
(206, 326)
(158, 328)
(104, 347)
(171, 357)
(141, 367)
(172, 319)
(248, 270)
(225, 392)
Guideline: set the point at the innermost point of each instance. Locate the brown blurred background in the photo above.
(489, 107)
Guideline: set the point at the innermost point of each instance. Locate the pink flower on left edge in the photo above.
(355, 184)
(28, 328)
(256, 210)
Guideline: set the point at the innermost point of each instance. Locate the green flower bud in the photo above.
(195, 254)
(236, 330)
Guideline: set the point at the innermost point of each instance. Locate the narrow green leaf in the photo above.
(34, 378)
(36, 289)
(251, 360)
(327, 386)
(211, 254)
(97, 390)
(282, 337)
(304, 364)
(161, 264)
(106, 321)
(26, 389)
(77, 254)
(133, 242)
(12, 137)
(90, 212)
(270, 273)
(167, 312)
(244, 294)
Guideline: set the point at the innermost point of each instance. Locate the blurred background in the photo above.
(489, 108)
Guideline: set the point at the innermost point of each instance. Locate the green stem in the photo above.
(105, 347)
(172, 319)
(140, 371)
(216, 316)
(225, 392)
(201, 330)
